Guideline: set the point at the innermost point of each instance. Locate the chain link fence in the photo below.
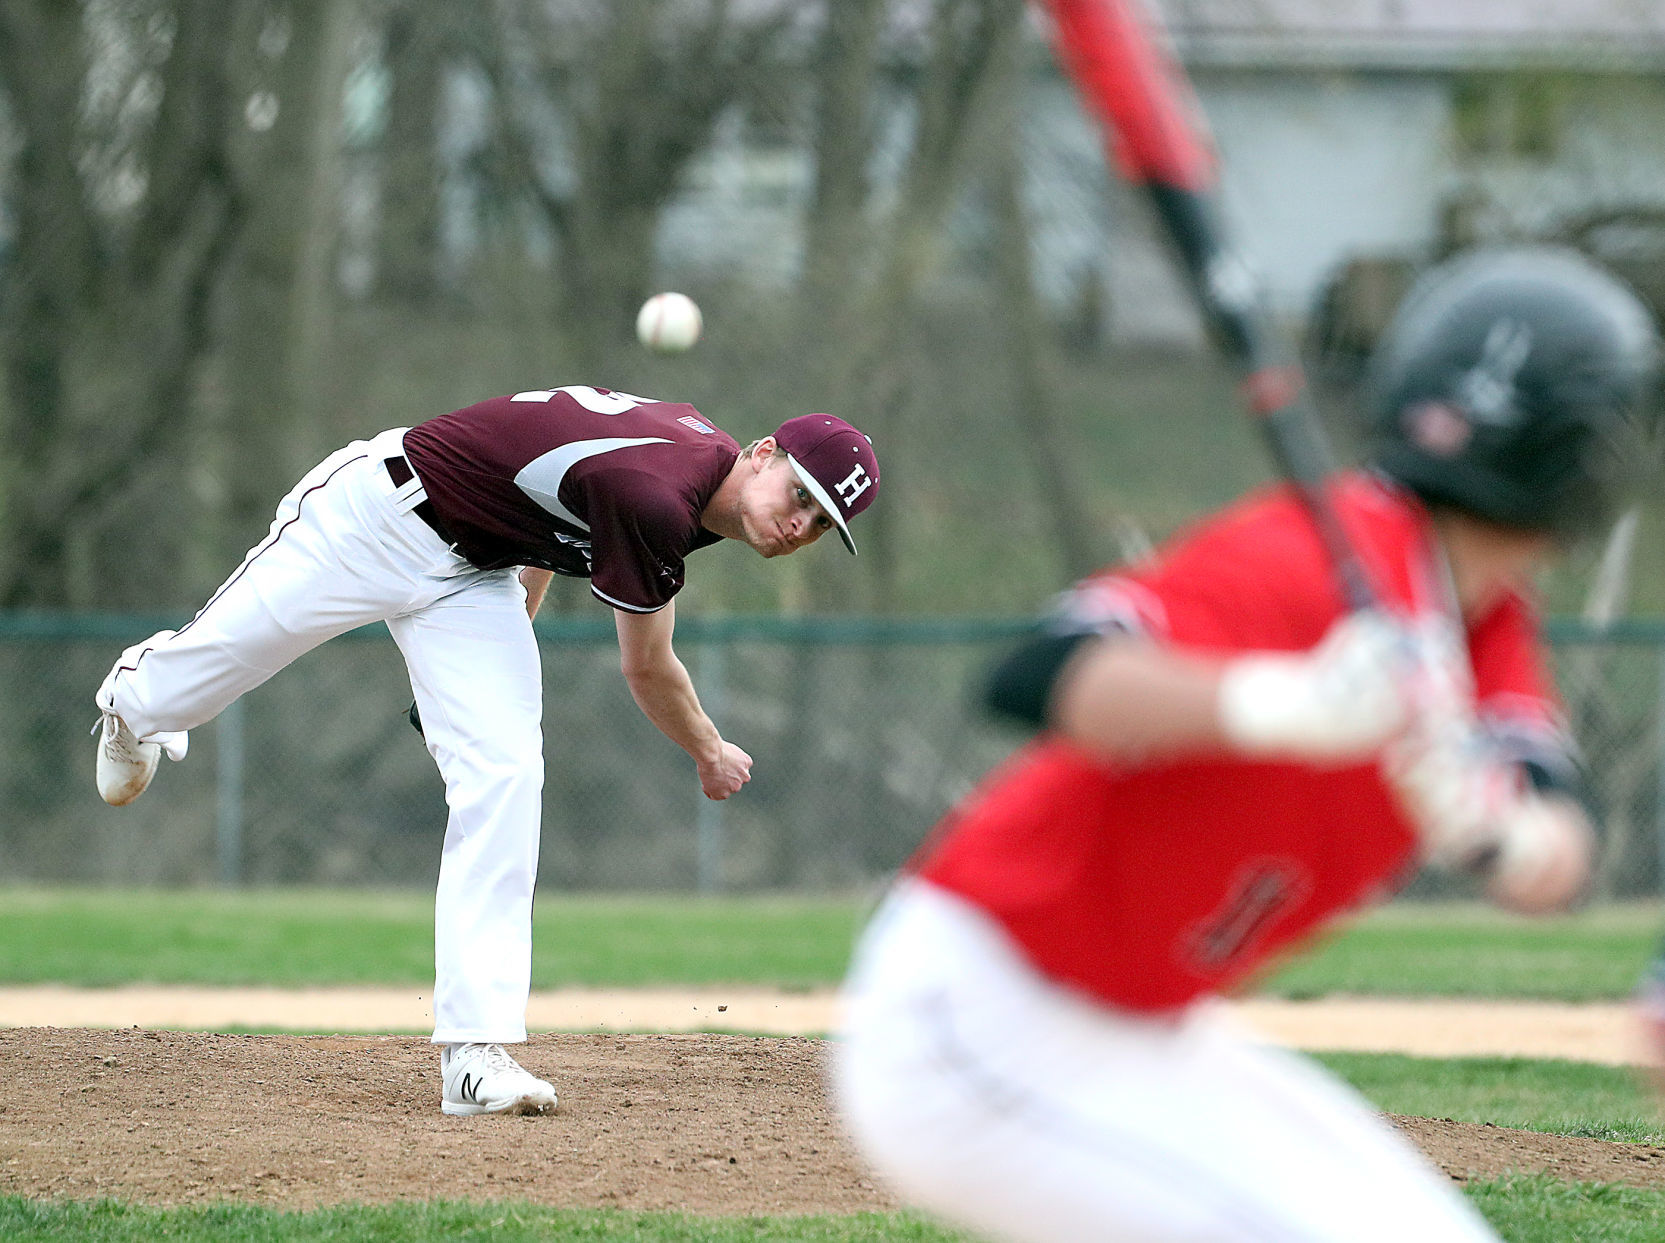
(863, 732)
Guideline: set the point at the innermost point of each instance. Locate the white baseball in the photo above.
(669, 322)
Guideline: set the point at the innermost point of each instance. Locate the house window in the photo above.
(1515, 115)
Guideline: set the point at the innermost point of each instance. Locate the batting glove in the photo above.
(1462, 797)
(1339, 702)
(1476, 814)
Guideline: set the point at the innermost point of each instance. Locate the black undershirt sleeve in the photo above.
(1019, 687)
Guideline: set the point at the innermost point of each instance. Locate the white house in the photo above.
(1365, 128)
(1348, 130)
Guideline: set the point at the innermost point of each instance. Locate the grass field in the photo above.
(1523, 1210)
(319, 937)
(23, 1221)
(1561, 1098)
(296, 938)
(316, 938)
(1476, 951)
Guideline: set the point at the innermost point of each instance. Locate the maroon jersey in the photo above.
(1147, 885)
(578, 480)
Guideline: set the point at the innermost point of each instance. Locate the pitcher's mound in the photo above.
(715, 1124)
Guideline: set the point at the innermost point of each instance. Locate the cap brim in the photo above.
(824, 501)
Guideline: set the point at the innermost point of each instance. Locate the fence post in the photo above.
(708, 815)
(228, 794)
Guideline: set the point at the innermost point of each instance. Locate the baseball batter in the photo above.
(1228, 764)
(449, 532)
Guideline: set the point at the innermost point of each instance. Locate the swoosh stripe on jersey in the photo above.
(541, 478)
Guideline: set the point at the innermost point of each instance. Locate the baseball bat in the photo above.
(1158, 138)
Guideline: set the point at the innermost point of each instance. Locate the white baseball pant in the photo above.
(343, 551)
(989, 1095)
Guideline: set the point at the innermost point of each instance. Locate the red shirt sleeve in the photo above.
(1255, 578)
(1515, 696)
(1509, 673)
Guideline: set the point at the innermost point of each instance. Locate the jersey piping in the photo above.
(620, 604)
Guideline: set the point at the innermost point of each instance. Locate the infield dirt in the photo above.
(719, 1124)
(1426, 1027)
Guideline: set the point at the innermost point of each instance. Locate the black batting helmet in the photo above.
(1510, 386)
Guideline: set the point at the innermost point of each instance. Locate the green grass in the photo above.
(25, 1221)
(1557, 1097)
(295, 938)
(1540, 1209)
(1470, 950)
(1523, 1209)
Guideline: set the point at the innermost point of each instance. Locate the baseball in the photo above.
(669, 322)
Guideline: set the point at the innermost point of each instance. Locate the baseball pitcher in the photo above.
(449, 532)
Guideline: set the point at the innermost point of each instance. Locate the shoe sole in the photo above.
(125, 793)
(121, 781)
(525, 1106)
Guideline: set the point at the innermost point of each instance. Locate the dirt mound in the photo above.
(710, 1124)
(1468, 1150)
(715, 1124)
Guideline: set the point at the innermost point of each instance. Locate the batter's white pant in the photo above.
(986, 1094)
(345, 550)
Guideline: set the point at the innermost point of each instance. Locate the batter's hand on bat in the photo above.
(1477, 814)
(727, 773)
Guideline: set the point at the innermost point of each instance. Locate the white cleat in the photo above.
(484, 1079)
(125, 765)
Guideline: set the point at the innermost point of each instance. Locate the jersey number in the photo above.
(1260, 893)
(594, 400)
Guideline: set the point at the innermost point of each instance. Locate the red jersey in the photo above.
(1149, 885)
(578, 480)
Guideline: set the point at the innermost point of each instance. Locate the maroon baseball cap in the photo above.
(835, 462)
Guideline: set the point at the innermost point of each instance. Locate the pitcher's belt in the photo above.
(398, 470)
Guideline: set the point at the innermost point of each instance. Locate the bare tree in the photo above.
(1034, 400)
(969, 42)
(846, 75)
(419, 43)
(52, 271)
(634, 88)
(126, 214)
(279, 285)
